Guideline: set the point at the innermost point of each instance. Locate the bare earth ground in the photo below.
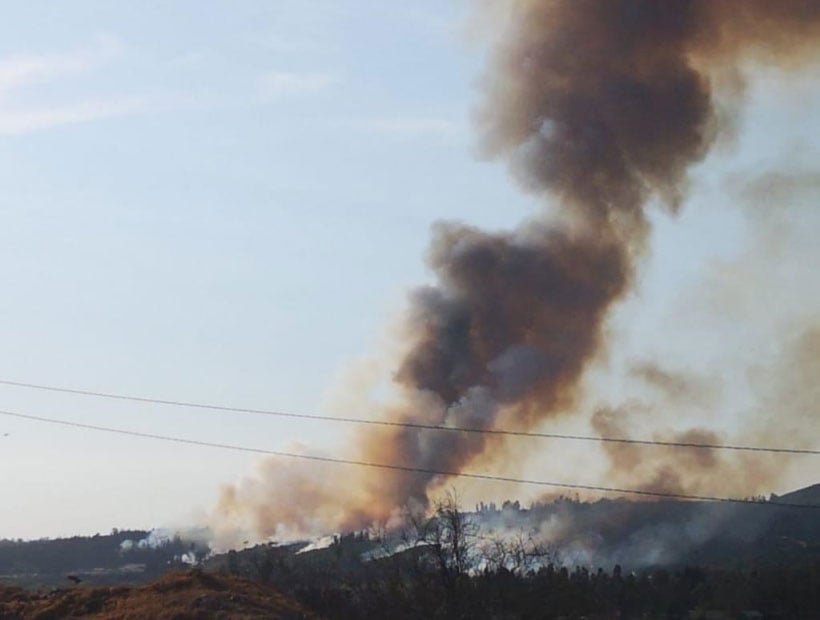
(176, 596)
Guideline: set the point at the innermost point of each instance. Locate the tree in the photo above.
(451, 536)
(443, 540)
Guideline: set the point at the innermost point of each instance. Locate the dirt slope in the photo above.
(176, 596)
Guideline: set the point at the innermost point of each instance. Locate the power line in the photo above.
(413, 425)
(403, 468)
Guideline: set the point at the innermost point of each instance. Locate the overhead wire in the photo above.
(414, 425)
(402, 468)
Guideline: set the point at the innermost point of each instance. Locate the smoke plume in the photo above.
(599, 107)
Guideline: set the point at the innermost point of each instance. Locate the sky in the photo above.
(228, 202)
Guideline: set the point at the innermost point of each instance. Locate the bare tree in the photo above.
(450, 537)
(519, 552)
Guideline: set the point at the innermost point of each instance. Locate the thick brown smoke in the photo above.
(599, 106)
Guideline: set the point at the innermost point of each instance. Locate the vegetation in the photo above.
(123, 556)
(193, 595)
(755, 562)
(446, 566)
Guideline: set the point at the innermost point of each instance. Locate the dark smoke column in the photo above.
(598, 106)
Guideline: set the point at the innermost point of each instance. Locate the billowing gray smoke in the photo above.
(599, 106)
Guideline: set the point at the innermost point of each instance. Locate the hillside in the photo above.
(123, 556)
(636, 535)
(604, 533)
(808, 495)
(181, 596)
(659, 559)
(640, 559)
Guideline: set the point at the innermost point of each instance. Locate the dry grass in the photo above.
(176, 596)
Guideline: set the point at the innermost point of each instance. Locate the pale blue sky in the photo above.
(223, 201)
